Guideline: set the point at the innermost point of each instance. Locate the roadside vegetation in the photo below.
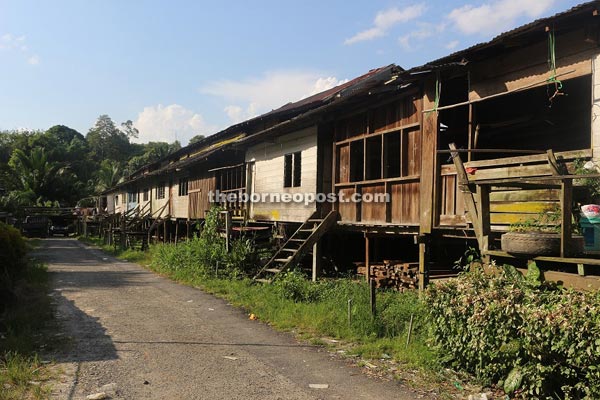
(25, 310)
(491, 329)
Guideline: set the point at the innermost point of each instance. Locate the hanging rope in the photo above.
(552, 66)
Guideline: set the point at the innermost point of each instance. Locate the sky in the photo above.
(182, 68)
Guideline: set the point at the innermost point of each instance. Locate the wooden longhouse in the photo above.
(519, 110)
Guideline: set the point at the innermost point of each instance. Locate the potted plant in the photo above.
(539, 236)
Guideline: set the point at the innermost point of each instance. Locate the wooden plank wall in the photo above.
(198, 190)
(506, 206)
(378, 152)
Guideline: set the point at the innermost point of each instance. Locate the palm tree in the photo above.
(35, 173)
(109, 175)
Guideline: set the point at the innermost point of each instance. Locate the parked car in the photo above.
(60, 226)
(36, 225)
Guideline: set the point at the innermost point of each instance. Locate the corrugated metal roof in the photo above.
(288, 110)
(534, 26)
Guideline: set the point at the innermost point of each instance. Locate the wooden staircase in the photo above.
(297, 246)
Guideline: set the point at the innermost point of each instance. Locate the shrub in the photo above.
(13, 262)
(498, 325)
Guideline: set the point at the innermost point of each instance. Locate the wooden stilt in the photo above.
(367, 261)
(176, 230)
(316, 261)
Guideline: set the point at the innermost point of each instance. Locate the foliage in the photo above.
(583, 167)
(61, 166)
(548, 222)
(196, 139)
(206, 254)
(13, 263)
(517, 331)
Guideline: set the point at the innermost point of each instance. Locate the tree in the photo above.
(109, 175)
(130, 130)
(196, 139)
(35, 173)
(106, 141)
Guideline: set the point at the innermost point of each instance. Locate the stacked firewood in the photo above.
(392, 274)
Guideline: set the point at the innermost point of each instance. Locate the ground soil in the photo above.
(135, 335)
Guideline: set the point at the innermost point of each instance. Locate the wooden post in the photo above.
(566, 200)
(422, 265)
(463, 185)
(367, 261)
(176, 230)
(316, 261)
(373, 297)
(483, 198)
(227, 229)
(165, 230)
(123, 233)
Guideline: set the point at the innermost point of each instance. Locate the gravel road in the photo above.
(135, 335)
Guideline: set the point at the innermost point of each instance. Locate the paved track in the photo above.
(154, 339)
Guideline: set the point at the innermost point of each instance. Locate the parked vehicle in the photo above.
(36, 225)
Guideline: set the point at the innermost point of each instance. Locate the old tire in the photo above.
(538, 244)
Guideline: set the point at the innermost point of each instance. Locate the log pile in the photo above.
(392, 274)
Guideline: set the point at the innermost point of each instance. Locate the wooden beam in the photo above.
(463, 185)
(367, 261)
(427, 186)
(566, 200)
(483, 216)
(316, 261)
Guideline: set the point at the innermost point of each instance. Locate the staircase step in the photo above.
(315, 220)
(273, 270)
(297, 240)
(262, 280)
(282, 260)
(289, 250)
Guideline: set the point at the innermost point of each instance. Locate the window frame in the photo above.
(292, 169)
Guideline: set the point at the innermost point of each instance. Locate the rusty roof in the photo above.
(536, 27)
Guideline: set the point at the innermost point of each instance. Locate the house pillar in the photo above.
(316, 261)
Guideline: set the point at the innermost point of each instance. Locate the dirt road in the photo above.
(149, 338)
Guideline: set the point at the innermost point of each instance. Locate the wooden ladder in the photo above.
(297, 246)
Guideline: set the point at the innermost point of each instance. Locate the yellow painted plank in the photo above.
(532, 207)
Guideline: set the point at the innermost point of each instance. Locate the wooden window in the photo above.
(373, 158)
(146, 194)
(183, 186)
(132, 197)
(123, 198)
(357, 160)
(160, 191)
(292, 169)
(391, 155)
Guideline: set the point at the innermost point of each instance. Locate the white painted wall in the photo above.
(269, 175)
(180, 203)
(110, 203)
(157, 204)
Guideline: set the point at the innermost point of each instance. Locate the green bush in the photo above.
(499, 324)
(200, 255)
(13, 262)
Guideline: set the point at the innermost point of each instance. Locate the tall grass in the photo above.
(24, 315)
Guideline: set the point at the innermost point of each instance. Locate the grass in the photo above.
(318, 313)
(132, 255)
(22, 327)
(22, 377)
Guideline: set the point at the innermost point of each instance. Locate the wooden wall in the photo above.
(268, 159)
(506, 206)
(378, 152)
(198, 190)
